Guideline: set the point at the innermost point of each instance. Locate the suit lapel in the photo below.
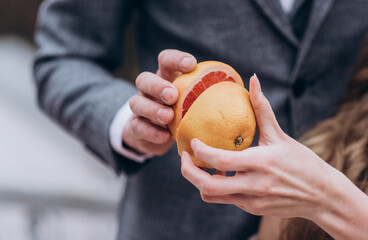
(297, 5)
(273, 11)
(318, 14)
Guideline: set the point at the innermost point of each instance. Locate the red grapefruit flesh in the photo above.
(206, 82)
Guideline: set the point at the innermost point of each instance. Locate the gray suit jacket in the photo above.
(303, 61)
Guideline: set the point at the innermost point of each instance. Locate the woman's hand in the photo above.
(146, 131)
(280, 177)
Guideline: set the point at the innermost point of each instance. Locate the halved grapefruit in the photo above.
(213, 106)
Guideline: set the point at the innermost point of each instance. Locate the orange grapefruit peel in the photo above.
(214, 107)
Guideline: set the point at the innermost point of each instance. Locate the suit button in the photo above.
(299, 87)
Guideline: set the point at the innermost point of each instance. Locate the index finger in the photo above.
(157, 88)
(215, 185)
(225, 160)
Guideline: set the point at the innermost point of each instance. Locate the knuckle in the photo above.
(202, 154)
(264, 190)
(205, 198)
(222, 163)
(161, 55)
(133, 102)
(266, 186)
(135, 125)
(157, 87)
(270, 162)
(139, 81)
(198, 153)
(148, 132)
(256, 206)
(208, 188)
(184, 170)
(253, 203)
(256, 212)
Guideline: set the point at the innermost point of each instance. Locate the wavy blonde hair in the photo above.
(342, 141)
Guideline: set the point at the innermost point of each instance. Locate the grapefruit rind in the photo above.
(220, 123)
(185, 83)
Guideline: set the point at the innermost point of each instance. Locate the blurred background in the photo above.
(50, 186)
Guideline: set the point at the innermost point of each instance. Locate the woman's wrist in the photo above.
(343, 208)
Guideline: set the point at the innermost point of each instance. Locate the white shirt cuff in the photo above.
(116, 134)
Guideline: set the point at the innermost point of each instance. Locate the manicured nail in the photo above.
(167, 94)
(258, 84)
(163, 115)
(187, 62)
(256, 77)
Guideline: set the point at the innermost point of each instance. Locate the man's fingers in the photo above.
(153, 148)
(174, 61)
(143, 129)
(151, 110)
(156, 87)
(159, 86)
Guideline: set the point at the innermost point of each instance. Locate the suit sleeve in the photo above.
(79, 45)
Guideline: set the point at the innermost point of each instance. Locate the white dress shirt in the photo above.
(125, 113)
(287, 5)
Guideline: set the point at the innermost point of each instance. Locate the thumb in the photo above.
(266, 120)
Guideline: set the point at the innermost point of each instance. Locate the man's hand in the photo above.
(146, 132)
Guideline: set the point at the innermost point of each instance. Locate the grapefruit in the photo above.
(214, 107)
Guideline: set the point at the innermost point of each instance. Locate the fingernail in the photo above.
(167, 94)
(163, 115)
(256, 77)
(258, 84)
(187, 62)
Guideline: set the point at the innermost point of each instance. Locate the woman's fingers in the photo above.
(250, 183)
(205, 182)
(280, 177)
(224, 160)
(267, 124)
